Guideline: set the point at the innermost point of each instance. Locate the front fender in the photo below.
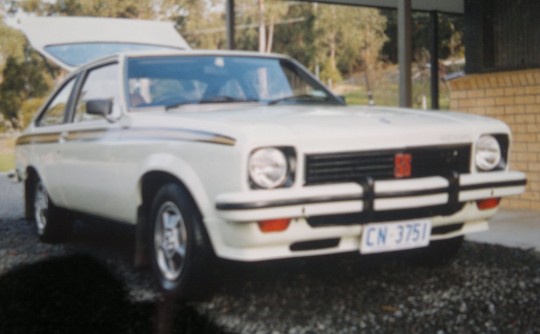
(180, 169)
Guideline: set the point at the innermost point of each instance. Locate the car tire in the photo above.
(51, 222)
(439, 252)
(179, 247)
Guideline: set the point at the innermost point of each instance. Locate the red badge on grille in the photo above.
(402, 165)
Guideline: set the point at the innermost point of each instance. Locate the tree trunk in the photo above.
(333, 51)
(371, 101)
(368, 76)
(262, 28)
(270, 35)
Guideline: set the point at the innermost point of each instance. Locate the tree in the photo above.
(140, 9)
(298, 38)
(199, 22)
(273, 13)
(23, 80)
(11, 45)
(262, 16)
(349, 38)
(371, 38)
(451, 29)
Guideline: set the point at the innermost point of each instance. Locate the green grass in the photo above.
(7, 154)
(386, 90)
(382, 97)
(388, 95)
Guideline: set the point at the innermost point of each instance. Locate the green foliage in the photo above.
(348, 38)
(329, 72)
(22, 80)
(298, 40)
(29, 109)
(451, 29)
(141, 9)
(11, 44)
(197, 23)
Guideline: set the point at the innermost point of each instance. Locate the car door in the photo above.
(89, 156)
(47, 140)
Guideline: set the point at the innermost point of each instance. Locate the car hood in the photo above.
(352, 127)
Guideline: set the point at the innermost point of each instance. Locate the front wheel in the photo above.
(178, 244)
(52, 223)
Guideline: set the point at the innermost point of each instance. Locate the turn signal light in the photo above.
(486, 204)
(274, 225)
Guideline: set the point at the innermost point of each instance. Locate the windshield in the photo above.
(171, 81)
(81, 53)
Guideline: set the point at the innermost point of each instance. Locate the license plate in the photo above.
(389, 237)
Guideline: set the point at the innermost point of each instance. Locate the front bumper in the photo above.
(339, 210)
(368, 198)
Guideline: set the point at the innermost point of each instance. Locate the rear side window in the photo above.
(56, 110)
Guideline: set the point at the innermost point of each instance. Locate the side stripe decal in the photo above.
(129, 135)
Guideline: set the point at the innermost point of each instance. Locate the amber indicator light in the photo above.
(274, 225)
(486, 204)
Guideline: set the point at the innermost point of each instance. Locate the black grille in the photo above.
(379, 165)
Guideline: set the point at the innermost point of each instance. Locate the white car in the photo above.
(248, 157)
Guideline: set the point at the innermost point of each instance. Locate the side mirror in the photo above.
(100, 107)
(342, 99)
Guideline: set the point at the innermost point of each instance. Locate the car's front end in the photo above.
(373, 182)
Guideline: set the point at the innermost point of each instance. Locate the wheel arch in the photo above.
(149, 184)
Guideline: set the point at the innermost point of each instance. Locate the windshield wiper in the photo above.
(213, 99)
(176, 105)
(226, 98)
(306, 97)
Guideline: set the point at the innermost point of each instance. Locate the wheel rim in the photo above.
(170, 241)
(41, 206)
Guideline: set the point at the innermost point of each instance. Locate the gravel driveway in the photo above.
(88, 285)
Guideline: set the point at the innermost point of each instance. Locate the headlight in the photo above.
(488, 153)
(268, 167)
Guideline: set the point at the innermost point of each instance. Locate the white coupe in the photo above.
(247, 157)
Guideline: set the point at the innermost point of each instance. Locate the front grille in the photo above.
(379, 165)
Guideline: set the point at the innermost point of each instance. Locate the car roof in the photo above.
(145, 54)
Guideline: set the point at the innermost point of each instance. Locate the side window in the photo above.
(54, 114)
(100, 83)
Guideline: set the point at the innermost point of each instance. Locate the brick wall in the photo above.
(513, 97)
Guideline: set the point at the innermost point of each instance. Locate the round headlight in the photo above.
(488, 153)
(268, 167)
